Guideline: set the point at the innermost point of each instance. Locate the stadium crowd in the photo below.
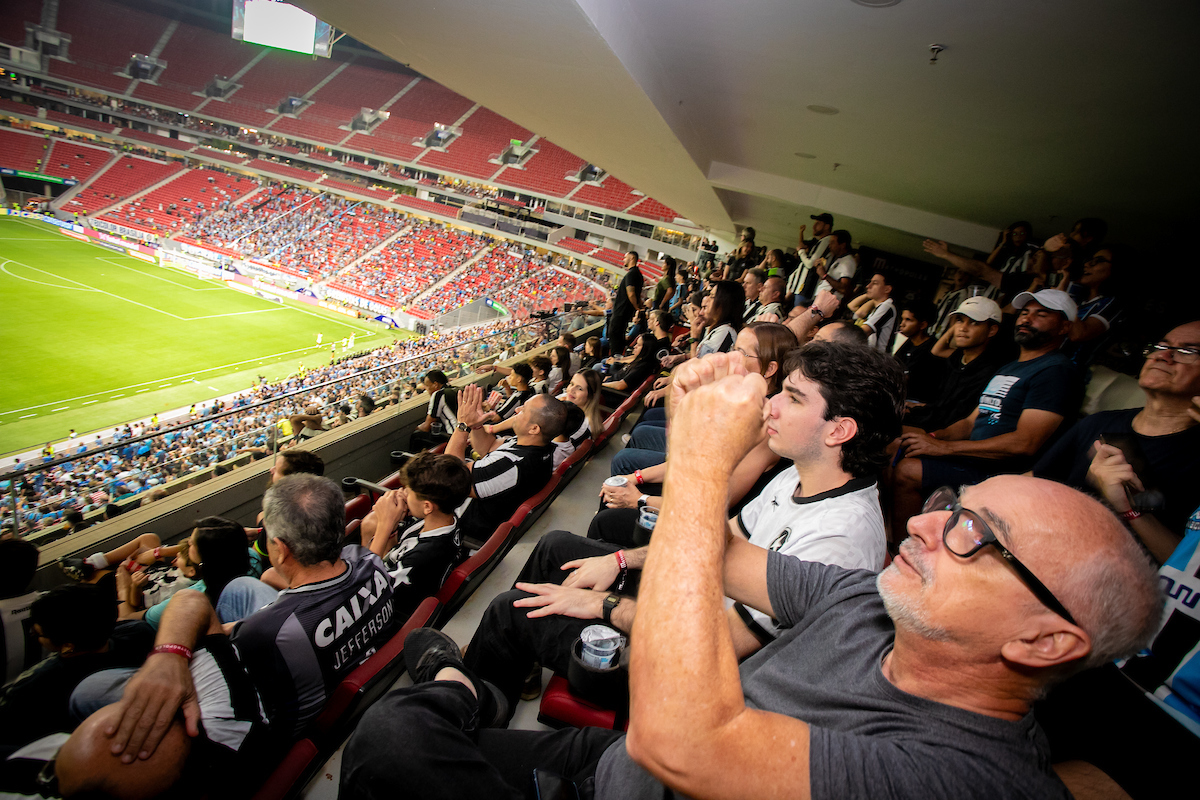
(934, 555)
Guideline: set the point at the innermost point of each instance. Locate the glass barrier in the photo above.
(141, 464)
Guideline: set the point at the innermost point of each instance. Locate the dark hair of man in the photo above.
(847, 332)
(887, 277)
(540, 363)
(437, 376)
(696, 298)
(662, 319)
(18, 565)
(79, 614)
(438, 478)
(368, 405)
(301, 461)
(221, 545)
(549, 414)
(635, 256)
(860, 383)
(728, 304)
(1094, 227)
(759, 273)
(524, 371)
(922, 310)
(309, 514)
(568, 340)
(842, 236)
(774, 342)
(73, 518)
(345, 409)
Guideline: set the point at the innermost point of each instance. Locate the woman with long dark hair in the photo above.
(722, 318)
(633, 374)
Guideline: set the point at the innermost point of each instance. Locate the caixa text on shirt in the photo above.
(355, 623)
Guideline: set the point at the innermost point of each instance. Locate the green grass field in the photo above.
(92, 337)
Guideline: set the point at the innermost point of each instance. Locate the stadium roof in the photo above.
(1035, 110)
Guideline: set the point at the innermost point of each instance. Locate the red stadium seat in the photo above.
(560, 708)
(467, 574)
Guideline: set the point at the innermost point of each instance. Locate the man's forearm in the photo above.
(482, 441)
(803, 324)
(1006, 445)
(457, 446)
(188, 616)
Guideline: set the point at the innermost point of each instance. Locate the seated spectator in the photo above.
(560, 366)
(18, 646)
(924, 369)
(1099, 299)
(140, 549)
(568, 340)
(307, 425)
(1157, 446)
(839, 408)
(516, 388)
(78, 624)
(440, 416)
(141, 586)
(414, 529)
(511, 472)
(770, 297)
(540, 384)
(336, 611)
(752, 283)
(870, 674)
(661, 323)
(959, 290)
(880, 324)
(1020, 410)
(722, 319)
(628, 378)
(1153, 695)
(972, 355)
(593, 353)
(583, 393)
(365, 405)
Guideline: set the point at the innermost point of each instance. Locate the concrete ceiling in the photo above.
(1035, 110)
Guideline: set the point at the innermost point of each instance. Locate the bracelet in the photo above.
(1130, 515)
(157, 552)
(637, 477)
(174, 649)
(621, 562)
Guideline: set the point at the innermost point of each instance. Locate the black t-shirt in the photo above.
(36, 703)
(1166, 463)
(959, 392)
(420, 563)
(503, 479)
(299, 648)
(925, 370)
(635, 373)
(622, 308)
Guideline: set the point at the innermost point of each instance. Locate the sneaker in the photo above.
(77, 569)
(532, 688)
(428, 651)
(625, 437)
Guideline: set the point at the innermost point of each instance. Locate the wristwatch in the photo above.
(464, 427)
(641, 501)
(610, 604)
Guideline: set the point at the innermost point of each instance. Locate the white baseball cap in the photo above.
(980, 309)
(1054, 299)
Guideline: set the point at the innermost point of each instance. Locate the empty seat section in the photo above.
(545, 171)
(609, 256)
(336, 103)
(195, 194)
(77, 122)
(124, 179)
(378, 194)
(16, 14)
(652, 209)
(98, 51)
(485, 135)
(575, 245)
(412, 116)
(194, 55)
(75, 160)
(25, 151)
(611, 193)
(275, 168)
(279, 75)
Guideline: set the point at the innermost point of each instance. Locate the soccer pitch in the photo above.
(91, 338)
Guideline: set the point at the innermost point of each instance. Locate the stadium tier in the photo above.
(412, 116)
(545, 170)
(485, 135)
(612, 193)
(492, 272)
(193, 55)
(274, 78)
(129, 176)
(336, 103)
(426, 206)
(79, 123)
(347, 186)
(12, 21)
(275, 168)
(219, 155)
(546, 289)
(75, 160)
(575, 245)
(187, 198)
(353, 229)
(25, 151)
(652, 209)
(609, 256)
(100, 51)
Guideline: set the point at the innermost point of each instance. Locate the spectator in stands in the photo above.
(307, 425)
(632, 375)
(923, 368)
(1119, 453)
(628, 299)
(365, 405)
(1018, 414)
(414, 529)
(517, 384)
(84, 569)
(336, 612)
(541, 374)
(770, 297)
(582, 392)
(752, 284)
(440, 416)
(78, 624)
(802, 283)
(511, 472)
(722, 316)
(560, 367)
(741, 259)
(567, 340)
(18, 646)
(950, 301)
(1100, 302)
(972, 357)
(880, 324)
(836, 272)
(664, 290)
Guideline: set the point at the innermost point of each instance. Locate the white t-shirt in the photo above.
(843, 527)
(844, 267)
(883, 324)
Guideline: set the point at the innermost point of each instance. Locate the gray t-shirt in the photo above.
(867, 738)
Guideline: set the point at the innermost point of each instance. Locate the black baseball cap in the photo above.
(826, 218)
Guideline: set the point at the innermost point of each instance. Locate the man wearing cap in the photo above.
(972, 356)
(803, 282)
(1018, 414)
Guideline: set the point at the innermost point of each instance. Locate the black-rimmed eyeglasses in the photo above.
(966, 534)
(1183, 355)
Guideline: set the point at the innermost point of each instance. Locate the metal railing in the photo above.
(176, 456)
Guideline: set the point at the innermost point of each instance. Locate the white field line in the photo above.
(159, 277)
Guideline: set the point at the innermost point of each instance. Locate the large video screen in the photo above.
(281, 25)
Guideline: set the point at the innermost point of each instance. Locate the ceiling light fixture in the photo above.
(829, 110)
(805, 155)
(936, 49)
(876, 3)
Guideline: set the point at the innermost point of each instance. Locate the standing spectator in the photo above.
(626, 302)
(19, 648)
(802, 283)
(836, 272)
(752, 284)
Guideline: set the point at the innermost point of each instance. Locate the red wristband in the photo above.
(174, 649)
(637, 477)
(621, 560)
(1130, 515)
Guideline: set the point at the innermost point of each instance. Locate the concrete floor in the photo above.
(572, 511)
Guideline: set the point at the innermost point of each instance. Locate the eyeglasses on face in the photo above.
(966, 534)
(1187, 354)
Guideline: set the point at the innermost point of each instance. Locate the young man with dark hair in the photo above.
(440, 416)
(540, 367)
(626, 301)
(835, 273)
(924, 369)
(880, 326)
(519, 379)
(414, 529)
(802, 283)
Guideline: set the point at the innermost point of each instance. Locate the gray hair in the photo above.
(1114, 594)
(307, 512)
